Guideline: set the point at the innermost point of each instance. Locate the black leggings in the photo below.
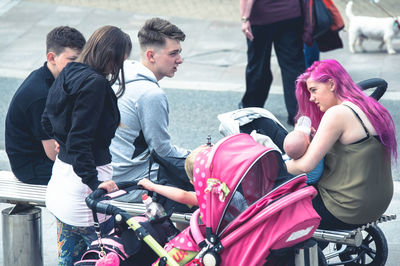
(328, 221)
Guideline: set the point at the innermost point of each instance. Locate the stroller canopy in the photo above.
(233, 175)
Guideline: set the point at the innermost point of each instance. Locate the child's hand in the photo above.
(146, 184)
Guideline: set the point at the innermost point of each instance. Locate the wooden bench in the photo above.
(16, 192)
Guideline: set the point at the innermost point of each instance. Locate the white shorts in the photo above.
(66, 194)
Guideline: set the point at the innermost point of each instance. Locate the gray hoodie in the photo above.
(144, 127)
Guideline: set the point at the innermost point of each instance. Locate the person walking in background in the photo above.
(267, 22)
(82, 115)
(30, 150)
(144, 106)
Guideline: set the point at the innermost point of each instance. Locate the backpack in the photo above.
(122, 246)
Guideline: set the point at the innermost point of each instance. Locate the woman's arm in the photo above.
(245, 11)
(330, 130)
(85, 118)
(173, 193)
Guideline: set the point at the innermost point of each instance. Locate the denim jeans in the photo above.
(73, 241)
(311, 54)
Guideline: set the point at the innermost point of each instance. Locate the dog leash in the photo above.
(387, 12)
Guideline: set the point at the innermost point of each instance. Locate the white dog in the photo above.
(362, 28)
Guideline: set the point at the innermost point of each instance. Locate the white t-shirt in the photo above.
(66, 194)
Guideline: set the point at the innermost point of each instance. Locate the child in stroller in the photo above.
(189, 197)
(174, 193)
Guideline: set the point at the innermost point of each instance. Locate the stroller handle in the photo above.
(93, 201)
(378, 83)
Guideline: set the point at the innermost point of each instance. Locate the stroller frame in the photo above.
(365, 245)
(339, 240)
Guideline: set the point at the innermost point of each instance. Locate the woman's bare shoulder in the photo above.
(337, 112)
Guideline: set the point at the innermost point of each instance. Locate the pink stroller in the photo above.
(250, 206)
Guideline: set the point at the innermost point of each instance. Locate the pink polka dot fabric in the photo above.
(200, 175)
(184, 241)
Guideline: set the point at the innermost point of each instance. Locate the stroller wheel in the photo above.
(373, 250)
(211, 259)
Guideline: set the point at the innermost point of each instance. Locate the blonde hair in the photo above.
(189, 162)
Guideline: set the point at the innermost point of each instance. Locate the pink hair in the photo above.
(345, 90)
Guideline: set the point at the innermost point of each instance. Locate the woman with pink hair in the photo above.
(356, 135)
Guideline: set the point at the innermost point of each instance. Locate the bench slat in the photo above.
(12, 189)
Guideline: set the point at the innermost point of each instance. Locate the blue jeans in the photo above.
(311, 54)
(73, 241)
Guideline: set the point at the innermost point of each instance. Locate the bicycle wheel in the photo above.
(373, 250)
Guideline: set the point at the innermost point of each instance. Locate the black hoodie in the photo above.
(82, 115)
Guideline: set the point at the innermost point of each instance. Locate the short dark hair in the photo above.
(156, 30)
(105, 49)
(64, 37)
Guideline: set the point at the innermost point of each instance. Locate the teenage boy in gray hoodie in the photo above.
(144, 106)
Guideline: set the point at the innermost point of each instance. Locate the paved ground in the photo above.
(223, 10)
(210, 81)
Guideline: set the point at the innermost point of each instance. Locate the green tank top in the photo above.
(356, 185)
